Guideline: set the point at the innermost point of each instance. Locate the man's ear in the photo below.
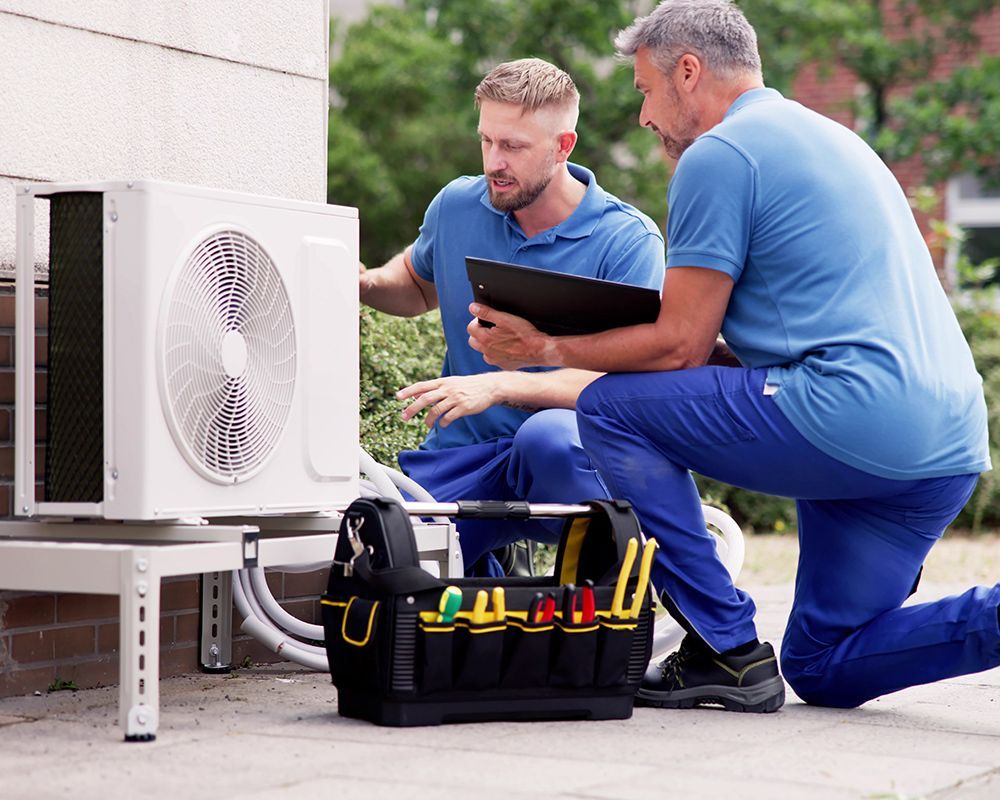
(688, 72)
(566, 141)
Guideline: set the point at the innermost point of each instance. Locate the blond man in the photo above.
(504, 435)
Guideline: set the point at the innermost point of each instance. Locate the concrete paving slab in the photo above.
(370, 789)
(686, 784)
(984, 787)
(823, 762)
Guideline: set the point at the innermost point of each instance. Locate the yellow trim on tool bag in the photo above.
(574, 544)
(337, 603)
(368, 633)
(488, 627)
(429, 622)
(589, 629)
(618, 626)
(437, 627)
(522, 625)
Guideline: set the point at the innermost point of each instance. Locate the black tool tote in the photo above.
(395, 661)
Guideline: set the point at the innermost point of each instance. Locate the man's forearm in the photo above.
(637, 348)
(395, 290)
(530, 391)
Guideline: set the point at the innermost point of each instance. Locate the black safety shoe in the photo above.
(694, 676)
(517, 558)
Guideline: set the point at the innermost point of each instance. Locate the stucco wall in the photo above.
(227, 93)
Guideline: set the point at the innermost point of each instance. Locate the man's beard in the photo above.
(674, 147)
(523, 196)
(687, 122)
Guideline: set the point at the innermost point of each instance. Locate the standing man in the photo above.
(858, 396)
(488, 437)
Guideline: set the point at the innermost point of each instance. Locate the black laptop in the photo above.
(557, 303)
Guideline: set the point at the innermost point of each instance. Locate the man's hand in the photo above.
(364, 280)
(512, 342)
(449, 398)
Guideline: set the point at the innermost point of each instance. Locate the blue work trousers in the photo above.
(862, 538)
(544, 462)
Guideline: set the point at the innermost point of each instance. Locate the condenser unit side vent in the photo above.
(75, 390)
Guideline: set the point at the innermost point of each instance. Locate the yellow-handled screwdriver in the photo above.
(499, 604)
(644, 567)
(630, 550)
(479, 607)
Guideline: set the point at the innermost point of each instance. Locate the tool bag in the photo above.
(397, 660)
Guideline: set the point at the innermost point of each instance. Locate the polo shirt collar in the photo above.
(752, 96)
(577, 225)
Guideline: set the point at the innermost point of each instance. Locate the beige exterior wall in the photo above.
(227, 93)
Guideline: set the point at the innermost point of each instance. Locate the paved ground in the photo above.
(275, 733)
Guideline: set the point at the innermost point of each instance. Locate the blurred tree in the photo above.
(402, 120)
(893, 45)
(402, 125)
(954, 124)
(886, 51)
(791, 34)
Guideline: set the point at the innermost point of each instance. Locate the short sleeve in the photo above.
(711, 207)
(641, 263)
(422, 254)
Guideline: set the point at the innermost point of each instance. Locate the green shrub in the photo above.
(982, 330)
(395, 352)
(754, 512)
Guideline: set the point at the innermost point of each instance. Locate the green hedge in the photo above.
(982, 330)
(396, 352)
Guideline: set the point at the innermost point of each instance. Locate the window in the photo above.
(974, 207)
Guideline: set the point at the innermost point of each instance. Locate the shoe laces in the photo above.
(672, 667)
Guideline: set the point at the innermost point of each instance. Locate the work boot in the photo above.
(516, 559)
(694, 675)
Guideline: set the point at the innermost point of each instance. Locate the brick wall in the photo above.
(74, 637)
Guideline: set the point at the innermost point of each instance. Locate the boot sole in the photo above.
(761, 698)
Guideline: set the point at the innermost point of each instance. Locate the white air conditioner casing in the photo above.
(229, 354)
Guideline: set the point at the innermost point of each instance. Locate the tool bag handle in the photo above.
(387, 559)
(593, 546)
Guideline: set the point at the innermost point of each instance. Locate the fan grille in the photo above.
(229, 357)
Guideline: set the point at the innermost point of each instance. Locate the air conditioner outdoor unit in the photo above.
(202, 353)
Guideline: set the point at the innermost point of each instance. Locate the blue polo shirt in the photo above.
(834, 289)
(602, 238)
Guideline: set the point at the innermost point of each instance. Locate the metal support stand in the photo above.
(139, 646)
(216, 653)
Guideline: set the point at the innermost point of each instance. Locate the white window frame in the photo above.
(965, 213)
